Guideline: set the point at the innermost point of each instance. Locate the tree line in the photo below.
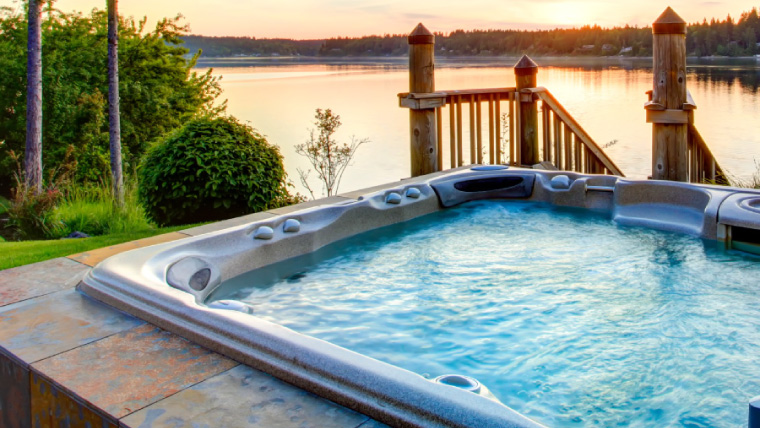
(727, 37)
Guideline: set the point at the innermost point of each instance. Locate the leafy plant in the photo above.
(328, 158)
(211, 169)
(29, 215)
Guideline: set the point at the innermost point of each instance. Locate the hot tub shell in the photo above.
(168, 284)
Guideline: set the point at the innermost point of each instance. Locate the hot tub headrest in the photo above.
(459, 188)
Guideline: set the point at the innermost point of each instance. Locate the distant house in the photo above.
(588, 47)
(607, 47)
(625, 50)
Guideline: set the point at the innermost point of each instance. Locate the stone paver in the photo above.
(132, 369)
(45, 326)
(244, 397)
(37, 279)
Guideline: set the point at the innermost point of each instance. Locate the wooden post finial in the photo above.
(421, 36)
(669, 23)
(526, 66)
(422, 122)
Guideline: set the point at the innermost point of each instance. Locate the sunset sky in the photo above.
(303, 19)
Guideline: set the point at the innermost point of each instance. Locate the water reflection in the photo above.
(279, 96)
(747, 77)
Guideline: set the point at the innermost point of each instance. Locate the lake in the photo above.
(278, 97)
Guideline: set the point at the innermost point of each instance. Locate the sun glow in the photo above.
(572, 14)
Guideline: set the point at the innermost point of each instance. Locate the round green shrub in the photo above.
(211, 169)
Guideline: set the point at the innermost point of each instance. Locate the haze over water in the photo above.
(606, 96)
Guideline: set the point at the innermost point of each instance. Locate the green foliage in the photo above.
(29, 217)
(29, 213)
(4, 205)
(91, 209)
(328, 158)
(65, 206)
(158, 91)
(211, 169)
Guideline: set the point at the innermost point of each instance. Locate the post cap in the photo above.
(421, 36)
(526, 66)
(669, 23)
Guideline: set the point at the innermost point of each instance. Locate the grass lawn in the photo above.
(14, 254)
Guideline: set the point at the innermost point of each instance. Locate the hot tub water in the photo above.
(566, 317)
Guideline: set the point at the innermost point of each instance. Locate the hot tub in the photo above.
(178, 285)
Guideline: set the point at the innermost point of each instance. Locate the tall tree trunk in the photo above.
(33, 154)
(113, 102)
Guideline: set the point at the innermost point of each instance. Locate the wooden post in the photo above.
(665, 111)
(422, 122)
(525, 76)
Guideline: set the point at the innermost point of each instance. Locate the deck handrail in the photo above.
(551, 104)
(703, 167)
(565, 143)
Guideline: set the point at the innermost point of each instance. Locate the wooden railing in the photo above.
(562, 141)
(566, 144)
(703, 168)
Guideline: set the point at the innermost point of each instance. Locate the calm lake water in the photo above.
(278, 97)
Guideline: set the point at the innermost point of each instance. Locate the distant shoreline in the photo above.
(549, 60)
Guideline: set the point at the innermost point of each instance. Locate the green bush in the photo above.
(211, 169)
